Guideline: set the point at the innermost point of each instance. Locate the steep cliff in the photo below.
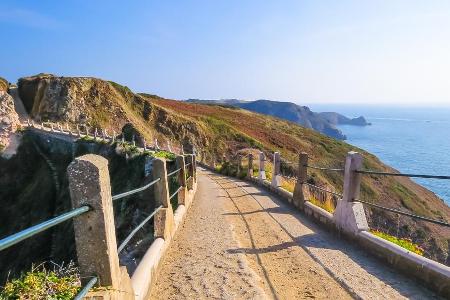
(9, 121)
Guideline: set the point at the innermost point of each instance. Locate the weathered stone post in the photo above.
(181, 180)
(276, 177)
(262, 170)
(95, 234)
(190, 158)
(298, 198)
(239, 165)
(95, 134)
(163, 223)
(87, 131)
(156, 144)
(349, 215)
(114, 136)
(78, 131)
(250, 166)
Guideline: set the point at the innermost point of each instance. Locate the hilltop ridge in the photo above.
(325, 122)
(221, 131)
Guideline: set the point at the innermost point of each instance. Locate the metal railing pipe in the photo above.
(136, 229)
(29, 232)
(122, 195)
(86, 289)
(370, 172)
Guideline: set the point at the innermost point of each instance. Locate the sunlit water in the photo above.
(412, 140)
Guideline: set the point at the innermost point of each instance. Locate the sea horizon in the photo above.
(409, 139)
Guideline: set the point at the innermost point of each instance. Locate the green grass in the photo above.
(165, 154)
(327, 204)
(61, 282)
(404, 243)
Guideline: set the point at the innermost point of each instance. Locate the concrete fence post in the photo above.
(181, 179)
(87, 131)
(163, 222)
(239, 165)
(262, 170)
(276, 177)
(349, 215)
(95, 235)
(114, 136)
(250, 166)
(95, 133)
(298, 198)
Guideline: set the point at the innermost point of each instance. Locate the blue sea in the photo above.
(412, 140)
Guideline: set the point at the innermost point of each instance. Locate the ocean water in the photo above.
(412, 140)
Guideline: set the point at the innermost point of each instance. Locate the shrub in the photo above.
(404, 243)
(61, 282)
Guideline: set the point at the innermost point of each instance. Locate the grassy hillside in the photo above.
(222, 131)
(232, 129)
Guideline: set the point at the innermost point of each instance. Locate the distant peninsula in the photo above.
(323, 122)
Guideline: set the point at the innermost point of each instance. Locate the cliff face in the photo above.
(338, 119)
(9, 120)
(101, 104)
(324, 123)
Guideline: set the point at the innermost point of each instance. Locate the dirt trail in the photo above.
(238, 242)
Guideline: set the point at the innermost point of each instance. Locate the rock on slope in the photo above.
(9, 120)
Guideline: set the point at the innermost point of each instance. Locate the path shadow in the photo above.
(320, 238)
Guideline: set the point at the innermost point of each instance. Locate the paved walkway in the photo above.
(239, 242)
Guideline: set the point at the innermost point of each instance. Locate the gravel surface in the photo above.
(239, 242)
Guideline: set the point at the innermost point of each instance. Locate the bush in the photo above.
(404, 243)
(61, 282)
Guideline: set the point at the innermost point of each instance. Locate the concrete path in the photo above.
(239, 242)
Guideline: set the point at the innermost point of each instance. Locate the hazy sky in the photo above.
(389, 52)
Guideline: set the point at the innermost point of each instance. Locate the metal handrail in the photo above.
(404, 213)
(29, 232)
(187, 164)
(370, 172)
(136, 229)
(324, 190)
(122, 195)
(86, 289)
(325, 169)
(174, 172)
(176, 192)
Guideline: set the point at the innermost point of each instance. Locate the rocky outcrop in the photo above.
(338, 119)
(4, 85)
(285, 110)
(9, 120)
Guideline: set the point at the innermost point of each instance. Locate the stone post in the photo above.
(239, 165)
(298, 198)
(156, 144)
(95, 134)
(163, 222)
(133, 140)
(181, 180)
(349, 215)
(114, 136)
(262, 170)
(95, 235)
(87, 131)
(190, 171)
(51, 127)
(276, 177)
(103, 134)
(250, 166)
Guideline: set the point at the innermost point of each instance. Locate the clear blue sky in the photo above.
(384, 51)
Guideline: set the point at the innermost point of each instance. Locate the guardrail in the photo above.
(93, 216)
(349, 216)
(83, 131)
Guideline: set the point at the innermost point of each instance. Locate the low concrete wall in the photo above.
(146, 273)
(430, 273)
